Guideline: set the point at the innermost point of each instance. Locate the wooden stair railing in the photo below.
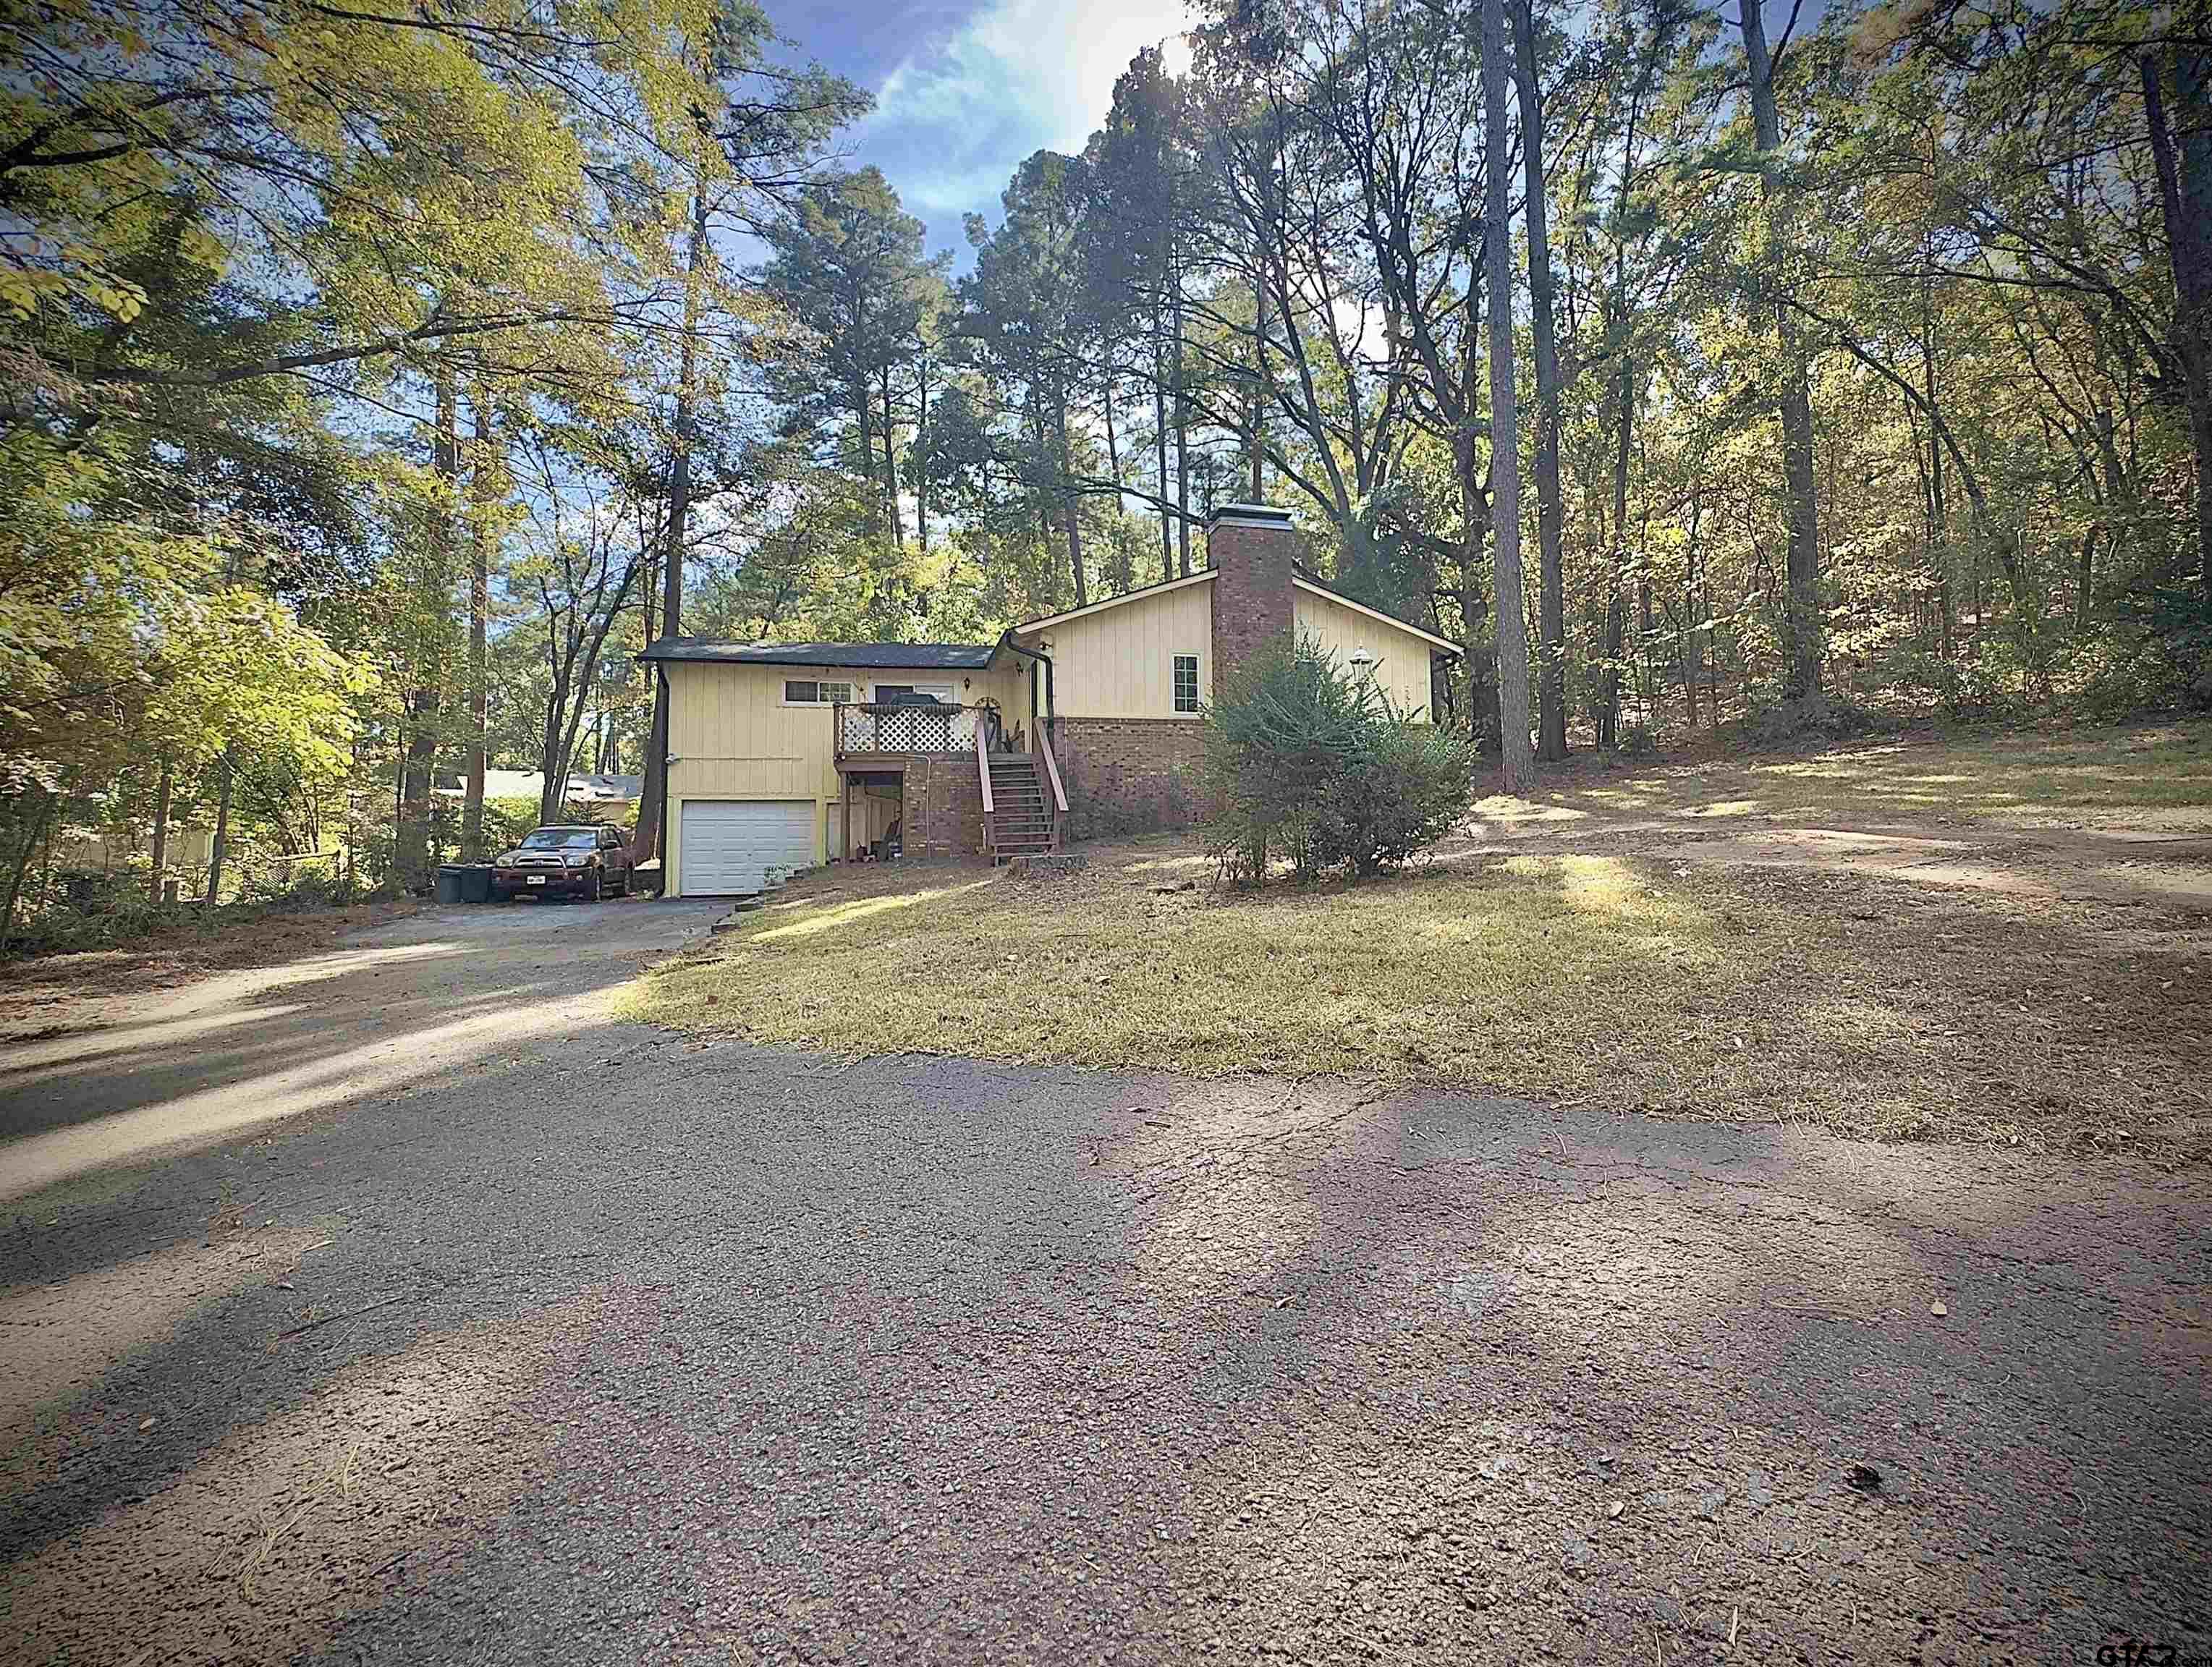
(1052, 771)
(1019, 822)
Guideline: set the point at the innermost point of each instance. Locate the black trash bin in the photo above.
(476, 883)
(449, 882)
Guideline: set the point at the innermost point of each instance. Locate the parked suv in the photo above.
(568, 862)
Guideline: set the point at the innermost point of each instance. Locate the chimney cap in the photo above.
(1251, 514)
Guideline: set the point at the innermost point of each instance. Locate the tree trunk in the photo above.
(2184, 177)
(219, 853)
(1801, 611)
(1182, 441)
(652, 795)
(1551, 604)
(1691, 653)
(1113, 444)
(1256, 414)
(31, 831)
(1160, 439)
(161, 794)
(890, 465)
(1474, 515)
(1074, 504)
(2084, 572)
(921, 449)
(412, 856)
(1519, 767)
(1616, 607)
(552, 767)
(1938, 511)
(486, 493)
(863, 403)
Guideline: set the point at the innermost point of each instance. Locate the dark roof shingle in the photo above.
(879, 656)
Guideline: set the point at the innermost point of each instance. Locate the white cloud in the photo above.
(955, 117)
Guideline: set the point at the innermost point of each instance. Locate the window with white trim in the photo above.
(806, 692)
(1186, 683)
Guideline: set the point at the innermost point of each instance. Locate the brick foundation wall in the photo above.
(944, 808)
(1130, 774)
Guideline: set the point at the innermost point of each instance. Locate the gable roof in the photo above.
(1161, 587)
(1441, 644)
(875, 656)
(973, 656)
(1301, 579)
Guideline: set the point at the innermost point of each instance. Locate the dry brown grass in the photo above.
(1860, 1005)
(2156, 774)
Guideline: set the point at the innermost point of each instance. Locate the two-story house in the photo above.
(782, 755)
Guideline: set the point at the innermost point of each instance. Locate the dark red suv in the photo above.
(587, 862)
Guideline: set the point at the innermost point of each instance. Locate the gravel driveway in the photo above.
(396, 1307)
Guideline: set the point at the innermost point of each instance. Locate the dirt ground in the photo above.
(52, 995)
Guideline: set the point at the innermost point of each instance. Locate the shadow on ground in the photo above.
(712, 1351)
(445, 991)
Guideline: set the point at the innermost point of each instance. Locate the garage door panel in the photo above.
(729, 845)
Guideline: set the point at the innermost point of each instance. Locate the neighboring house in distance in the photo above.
(580, 788)
(189, 848)
(781, 755)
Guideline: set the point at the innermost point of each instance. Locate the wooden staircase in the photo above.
(1021, 821)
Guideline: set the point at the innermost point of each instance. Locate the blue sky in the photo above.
(965, 91)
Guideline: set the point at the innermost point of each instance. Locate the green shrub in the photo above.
(1405, 792)
(2117, 669)
(1814, 720)
(1308, 764)
(86, 911)
(322, 884)
(507, 822)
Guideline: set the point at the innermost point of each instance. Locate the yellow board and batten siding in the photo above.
(1120, 661)
(1401, 669)
(732, 736)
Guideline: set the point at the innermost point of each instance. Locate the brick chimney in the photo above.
(1251, 548)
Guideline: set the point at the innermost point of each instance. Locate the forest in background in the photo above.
(377, 380)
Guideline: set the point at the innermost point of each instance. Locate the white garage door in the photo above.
(727, 845)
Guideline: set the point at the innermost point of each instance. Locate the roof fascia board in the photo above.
(1376, 614)
(1028, 626)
